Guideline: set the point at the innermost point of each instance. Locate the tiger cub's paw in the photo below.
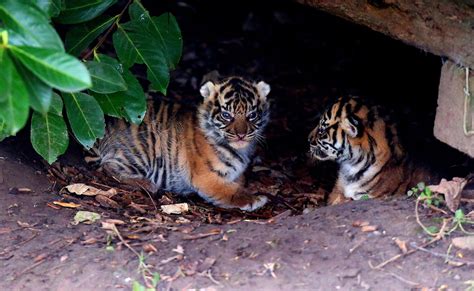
(258, 202)
(336, 198)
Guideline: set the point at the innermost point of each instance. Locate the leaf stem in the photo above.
(106, 34)
(4, 35)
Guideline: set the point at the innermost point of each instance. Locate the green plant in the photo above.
(42, 73)
(151, 278)
(425, 194)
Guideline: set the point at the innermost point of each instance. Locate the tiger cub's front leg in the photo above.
(337, 195)
(227, 194)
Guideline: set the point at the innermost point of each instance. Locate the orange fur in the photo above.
(184, 151)
(367, 148)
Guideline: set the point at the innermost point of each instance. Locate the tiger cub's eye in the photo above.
(226, 115)
(252, 115)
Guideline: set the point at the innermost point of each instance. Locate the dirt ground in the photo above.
(309, 58)
(40, 248)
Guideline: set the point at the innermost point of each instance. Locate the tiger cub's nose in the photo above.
(241, 135)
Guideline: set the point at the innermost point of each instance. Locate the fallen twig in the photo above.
(445, 256)
(202, 235)
(414, 284)
(208, 274)
(394, 258)
(357, 245)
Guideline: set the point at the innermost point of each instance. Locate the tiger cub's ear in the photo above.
(207, 89)
(263, 89)
(352, 126)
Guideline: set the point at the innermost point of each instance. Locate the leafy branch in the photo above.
(103, 38)
(42, 73)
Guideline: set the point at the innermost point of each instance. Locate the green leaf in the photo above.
(80, 36)
(421, 186)
(130, 103)
(365, 197)
(57, 69)
(135, 46)
(156, 279)
(111, 104)
(3, 129)
(164, 28)
(428, 192)
(136, 286)
(135, 103)
(77, 11)
(459, 215)
(51, 8)
(105, 78)
(49, 132)
(125, 49)
(13, 96)
(432, 229)
(56, 7)
(85, 117)
(39, 93)
(28, 25)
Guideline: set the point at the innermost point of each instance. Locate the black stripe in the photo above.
(222, 158)
(370, 119)
(334, 135)
(372, 143)
(212, 169)
(343, 137)
(229, 95)
(164, 180)
(339, 110)
(236, 155)
(361, 172)
(360, 159)
(357, 106)
(350, 150)
(375, 175)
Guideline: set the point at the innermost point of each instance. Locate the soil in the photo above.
(324, 248)
(292, 243)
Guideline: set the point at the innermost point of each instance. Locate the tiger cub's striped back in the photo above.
(205, 150)
(367, 148)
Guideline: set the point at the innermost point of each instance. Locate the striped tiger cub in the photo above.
(371, 159)
(204, 151)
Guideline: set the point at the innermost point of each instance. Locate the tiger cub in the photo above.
(204, 151)
(367, 148)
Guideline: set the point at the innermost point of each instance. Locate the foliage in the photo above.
(41, 73)
(432, 200)
(425, 194)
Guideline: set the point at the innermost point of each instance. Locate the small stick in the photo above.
(356, 246)
(437, 209)
(437, 237)
(394, 258)
(446, 257)
(404, 280)
(27, 240)
(209, 275)
(26, 270)
(106, 34)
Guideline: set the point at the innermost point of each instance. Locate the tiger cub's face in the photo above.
(339, 129)
(235, 110)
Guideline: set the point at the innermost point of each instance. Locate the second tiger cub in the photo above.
(205, 151)
(367, 148)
